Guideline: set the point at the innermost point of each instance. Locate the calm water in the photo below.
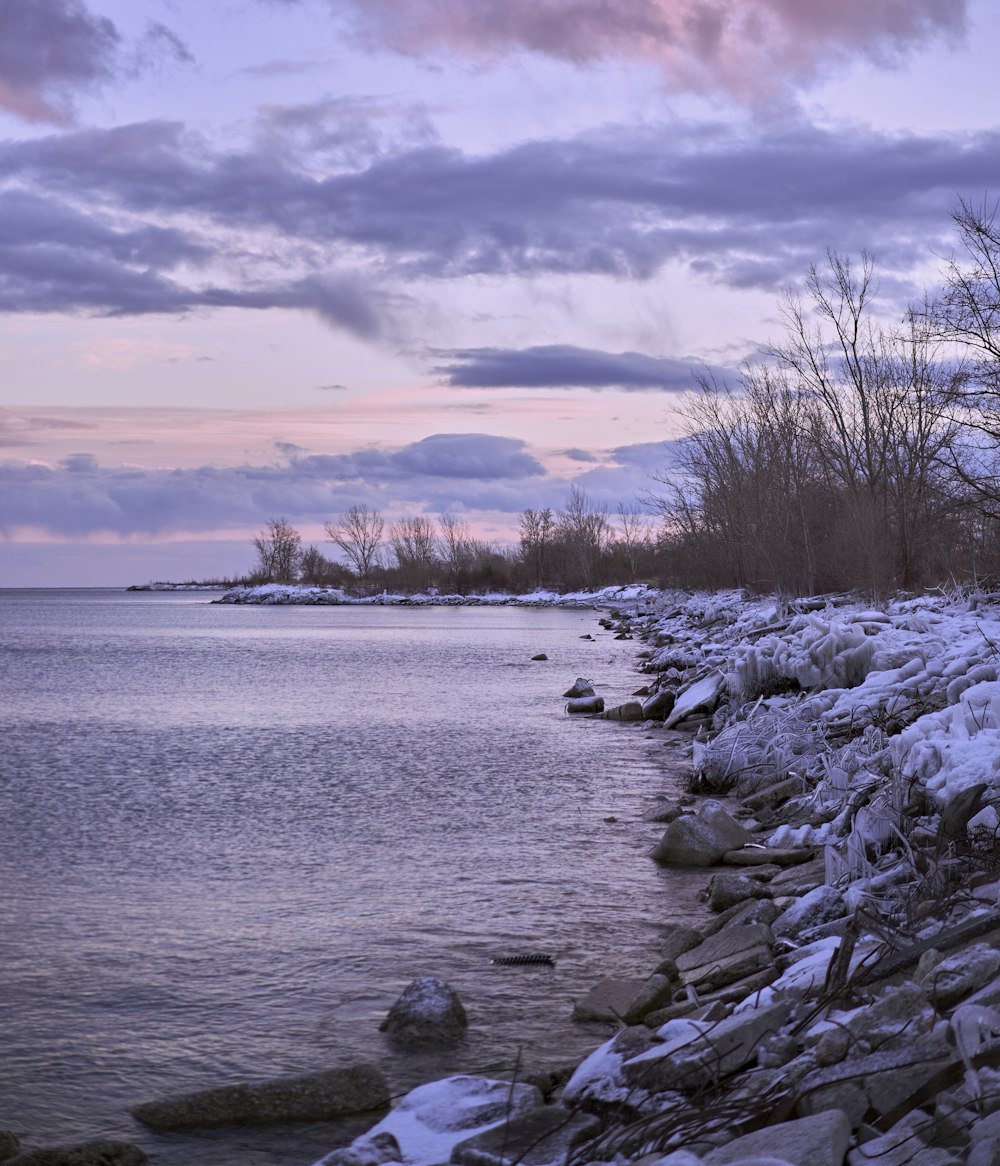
(229, 836)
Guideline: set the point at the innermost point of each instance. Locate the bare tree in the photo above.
(412, 542)
(583, 527)
(635, 535)
(277, 548)
(876, 426)
(537, 530)
(358, 533)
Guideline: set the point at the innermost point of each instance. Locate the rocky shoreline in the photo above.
(842, 1003)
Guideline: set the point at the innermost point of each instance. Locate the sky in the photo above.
(266, 258)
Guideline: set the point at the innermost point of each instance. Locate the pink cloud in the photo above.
(747, 48)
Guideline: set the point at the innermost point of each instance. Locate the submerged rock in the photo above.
(312, 1097)
(585, 704)
(630, 711)
(428, 1012)
(83, 1154)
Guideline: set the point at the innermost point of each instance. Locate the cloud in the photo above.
(81, 498)
(744, 48)
(48, 50)
(564, 366)
(319, 211)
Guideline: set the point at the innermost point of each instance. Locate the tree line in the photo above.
(853, 454)
(578, 546)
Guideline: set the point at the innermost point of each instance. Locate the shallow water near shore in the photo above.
(231, 835)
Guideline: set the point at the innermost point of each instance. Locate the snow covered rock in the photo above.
(702, 696)
(428, 1012)
(431, 1120)
(821, 905)
(312, 1097)
(696, 1053)
(959, 974)
(700, 839)
(730, 890)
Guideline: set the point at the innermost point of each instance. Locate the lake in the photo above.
(230, 835)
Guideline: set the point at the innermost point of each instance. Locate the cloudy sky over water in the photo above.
(273, 257)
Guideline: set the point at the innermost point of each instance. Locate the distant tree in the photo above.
(457, 549)
(319, 571)
(412, 540)
(358, 533)
(277, 548)
(537, 529)
(635, 536)
(585, 532)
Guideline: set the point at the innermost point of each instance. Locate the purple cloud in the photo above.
(354, 213)
(565, 366)
(48, 50)
(461, 472)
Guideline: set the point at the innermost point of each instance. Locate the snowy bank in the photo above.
(635, 596)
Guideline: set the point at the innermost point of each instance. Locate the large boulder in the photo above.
(816, 907)
(702, 696)
(428, 1012)
(579, 687)
(659, 705)
(700, 839)
(630, 711)
(312, 1097)
(542, 1136)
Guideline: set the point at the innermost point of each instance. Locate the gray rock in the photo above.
(846, 1097)
(374, 1151)
(8, 1144)
(83, 1154)
(665, 811)
(959, 974)
(721, 972)
(725, 944)
(580, 687)
(815, 907)
(764, 855)
(657, 992)
(898, 1147)
(985, 1141)
(820, 1140)
(700, 839)
(539, 656)
(609, 999)
(541, 1136)
(428, 1012)
(677, 939)
(585, 704)
(659, 705)
(741, 914)
(726, 890)
(630, 711)
(313, 1097)
(832, 1047)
